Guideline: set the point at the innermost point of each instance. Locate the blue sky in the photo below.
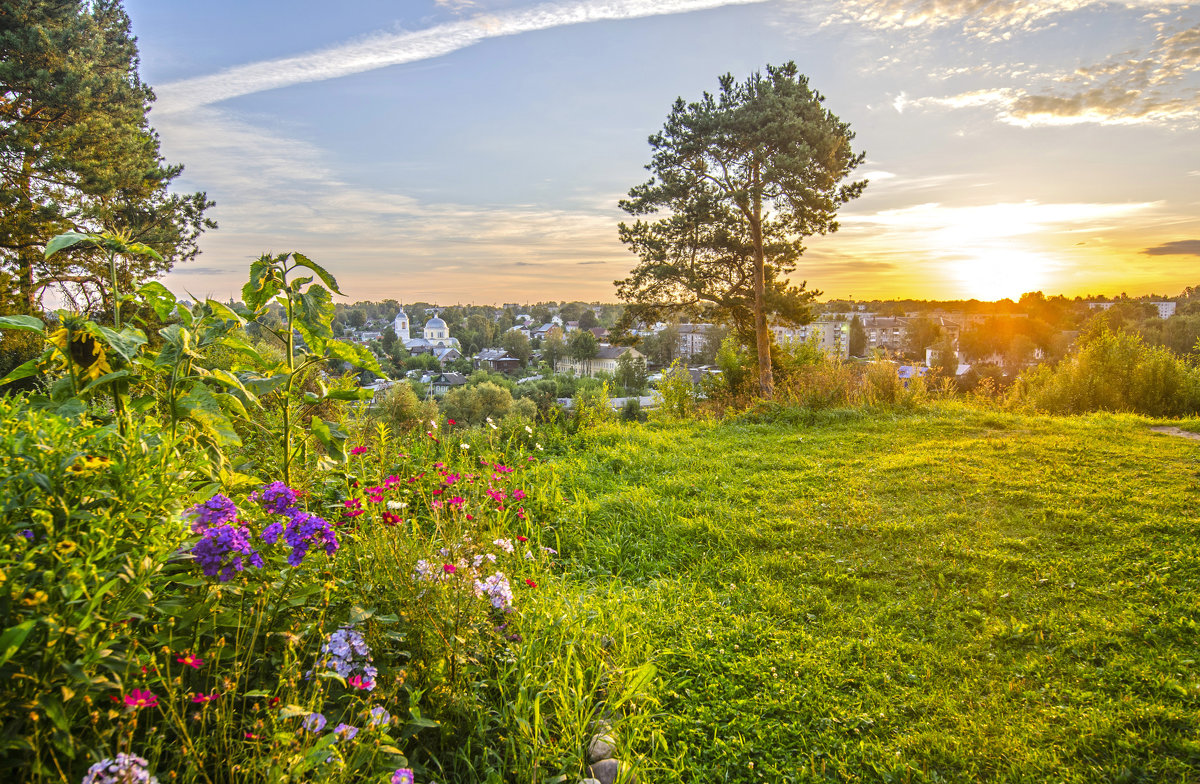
(475, 151)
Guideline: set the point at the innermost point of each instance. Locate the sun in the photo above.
(992, 274)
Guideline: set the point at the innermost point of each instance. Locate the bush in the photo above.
(1113, 371)
(675, 392)
(631, 411)
(400, 408)
(474, 405)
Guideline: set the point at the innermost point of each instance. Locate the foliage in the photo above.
(1113, 371)
(630, 373)
(74, 129)
(479, 403)
(675, 392)
(744, 176)
(400, 409)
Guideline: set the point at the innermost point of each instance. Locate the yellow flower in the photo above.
(65, 547)
(78, 347)
(86, 466)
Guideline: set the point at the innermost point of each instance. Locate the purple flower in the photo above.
(497, 589)
(347, 654)
(125, 769)
(271, 533)
(217, 510)
(379, 715)
(402, 776)
(304, 530)
(314, 722)
(27, 534)
(224, 551)
(346, 731)
(277, 498)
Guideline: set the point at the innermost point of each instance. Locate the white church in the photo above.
(436, 335)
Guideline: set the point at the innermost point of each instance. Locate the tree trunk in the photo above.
(766, 379)
(27, 255)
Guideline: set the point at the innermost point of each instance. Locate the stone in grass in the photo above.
(602, 747)
(610, 771)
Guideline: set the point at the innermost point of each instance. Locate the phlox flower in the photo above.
(497, 590)
(125, 769)
(276, 497)
(217, 510)
(403, 776)
(225, 542)
(138, 698)
(190, 660)
(504, 544)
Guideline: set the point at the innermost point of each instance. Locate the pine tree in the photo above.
(77, 152)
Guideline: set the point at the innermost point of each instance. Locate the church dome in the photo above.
(435, 323)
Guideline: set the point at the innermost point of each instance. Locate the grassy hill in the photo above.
(948, 595)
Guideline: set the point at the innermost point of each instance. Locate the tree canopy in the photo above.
(741, 178)
(77, 152)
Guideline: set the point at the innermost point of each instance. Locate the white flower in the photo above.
(504, 544)
(538, 447)
(528, 555)
(433, 423)
(465, 446)
(396, 505)
(529, 430)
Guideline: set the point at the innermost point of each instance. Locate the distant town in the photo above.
(438, 348)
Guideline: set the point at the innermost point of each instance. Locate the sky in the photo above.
(474, 151)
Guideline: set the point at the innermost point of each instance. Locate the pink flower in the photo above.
(470, 517)
(519, 495)
(203, 699)
(250, 736)
(138, 698)
(449, 568)
(436, 504)
(360, 682)
(457, 501)
(522, 539)
(359, 450)
(451, 422)
(191, 660)
(391, 480)
(391, 519)
(521, 513)
(530, 583)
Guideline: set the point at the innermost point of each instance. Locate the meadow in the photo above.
(947, 594)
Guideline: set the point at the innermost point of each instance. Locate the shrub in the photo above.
(1113, 371)
(676, 394)
(400, 408)
(476, 404)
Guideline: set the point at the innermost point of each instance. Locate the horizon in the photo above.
(475, 151)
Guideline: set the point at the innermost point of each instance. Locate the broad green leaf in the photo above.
(25, 370)
(314, 343)
(358, 356)
(326, 278)
(23, 323)
(262, 386)
(349, 394)
(225, 312)
(141, 249)
(67, 240)
(202, 408)
(12, 639)
(263, 283)
(316, 311)
(330, 437)
(126, 342)
(52, 705)
(107, 378)
(159, 298)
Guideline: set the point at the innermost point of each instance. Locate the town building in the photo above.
(605, 361)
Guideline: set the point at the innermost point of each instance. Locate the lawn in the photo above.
(952, 594)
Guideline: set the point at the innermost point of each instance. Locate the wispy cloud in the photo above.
(1177, 248)
(382, 50)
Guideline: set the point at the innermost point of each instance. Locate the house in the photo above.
(444, 355)
(498, 360)
(886, 334)
(605, 361)
(442, 383)
(832, 337)
(692, 338)
(600, 332)
(1165, 309)
(435, 335)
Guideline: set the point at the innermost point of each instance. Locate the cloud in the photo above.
(1157, 86)
(983, 18)
(383, 50)
(1176, 248)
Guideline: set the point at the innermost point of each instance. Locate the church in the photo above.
(436, 335)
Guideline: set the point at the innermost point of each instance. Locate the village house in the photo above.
(605, 361)
(497, 360)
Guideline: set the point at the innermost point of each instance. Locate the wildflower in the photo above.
(353, 507)
(249, 736)
(396, 505)
(457, 501)
(359, 450)
(217, 510)
(530, 583)
(305, 530)
(379, 715)
(529, 430)
(27, 534)
(125, 769)
(391, 480)
(515, 638)
(86, 466)
(538, 447)
(391, 519)
(65, 547)
(451, 422)
(276, 497)
(465, 446)
(449, 568)
(504, 544)
(470, 517)
(361, 683)
(497, 589)
(528, 555)
(402, 776)
(221, 542)
(549, 551)
(436, 504)
(433, 424)
(190, 660)
(77, 347)
(346, 731)
(497, 495)
(423, 570)
(204, 699)
(520, 513)
(314, 722)
(518, 495)
(522, 539)
(137, 698)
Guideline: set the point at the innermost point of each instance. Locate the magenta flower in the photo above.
(449, 568)
(139, 698)
(402, 776)
(361, 683)
(190, 660)
(359, 450)
(203, 699)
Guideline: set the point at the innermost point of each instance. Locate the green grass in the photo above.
(947, 595)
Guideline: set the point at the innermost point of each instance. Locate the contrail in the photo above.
(394, 49)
